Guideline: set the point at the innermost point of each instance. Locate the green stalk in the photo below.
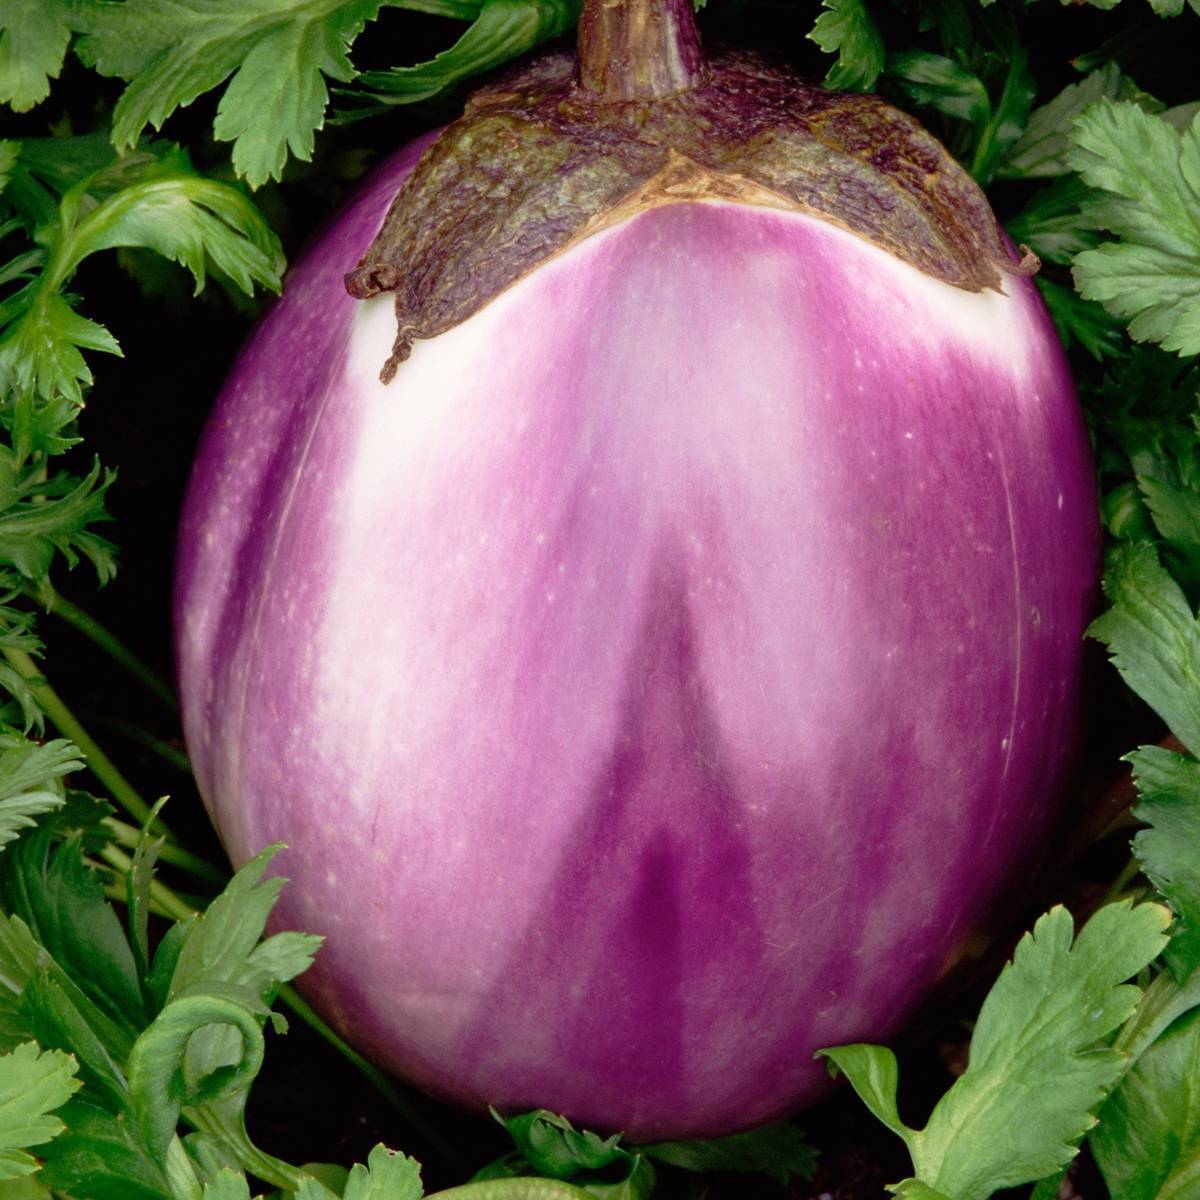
(1128, 873)
(200, 868)
(115, 648)
(117, 786)
(161, 895)
(135, 733)
(65, 722)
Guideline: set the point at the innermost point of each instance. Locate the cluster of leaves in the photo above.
(272, 56)
(126, 1058)
(106, 1045)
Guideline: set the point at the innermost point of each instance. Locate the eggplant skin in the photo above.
(662, 676)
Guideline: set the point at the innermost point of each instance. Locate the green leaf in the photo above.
(227, 1186)
(33, 531)
(914, 1189)
(874, 1075)
(223, 945)
(224, 1122)
(846, 29)
(33, 1084)
(17, 633)
(1169, 785)
(1008, 118)
(99, 1156)
(8, 160)
(555, 1148)
(1080, 321)
(278, 53)
(27, 766)
(278, 98)
(387, 1176)
(61, 1018)
(456, 10)
(160, 1083)
(1038, 1066)
(164, 206)
(942, 84)
(1153, 638)
(1049, 1187)
(137, 893)
(40, 352)
(1148, 1141)
(1147, 409)
(20, 812)
(1176, 515)
(503, 30)
(62, 900)
(157, 203)
(1039, 1062)
(48, 167)
(33, 43)
(20, 959)
(29, 775)
(1150, 176)
(550, 1147)
(28, 1187)
(210, 1156)
(779, 1151)
(1042, 150)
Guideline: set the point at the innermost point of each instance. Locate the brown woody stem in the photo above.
(639, 49)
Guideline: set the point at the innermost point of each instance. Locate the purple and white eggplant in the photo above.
(659, 676)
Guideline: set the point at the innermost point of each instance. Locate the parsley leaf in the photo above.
(33, 43)
(1148, 1144)
(1149, 175)
(33, 1084)
(100, 1157)
(1146, 410)
(503, 30)
(164, 1076)
(149, 201)
(1042, 150)
(846, 29)
(942, 84)
(778, 1151)
(1169, 786)
(1079, 320)
(1153, 638)
(278, 53)
(552, 1146)
(1038, 1066)
(387, 1176)
(62, 901)
(958, 90)
(223, 945)
(227, 1185)
(42, 523)
(28, 781)
(548, 1146)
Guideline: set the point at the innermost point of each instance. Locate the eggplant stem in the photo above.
(639, 49)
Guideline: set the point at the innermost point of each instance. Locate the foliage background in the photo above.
(989, 79)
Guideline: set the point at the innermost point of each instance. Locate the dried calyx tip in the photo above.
(639, 49)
